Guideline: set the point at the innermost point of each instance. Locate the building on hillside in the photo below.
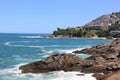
(77, 28)
(115, 32)
(96, 27)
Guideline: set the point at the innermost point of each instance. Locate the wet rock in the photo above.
(80, 74)
(66, 62)
(105, 58)
(98, 76)
(34, 67)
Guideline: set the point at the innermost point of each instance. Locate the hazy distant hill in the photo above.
(104, 21)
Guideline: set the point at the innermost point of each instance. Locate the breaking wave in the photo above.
(7, 43)
(30, 36)
(15, 73)
(10, 44)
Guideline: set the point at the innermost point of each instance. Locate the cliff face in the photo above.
(104, 21)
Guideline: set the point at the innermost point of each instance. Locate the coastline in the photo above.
(27, 43)
(98, 62)
(61, 36)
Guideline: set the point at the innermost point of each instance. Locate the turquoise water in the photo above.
(19, 49)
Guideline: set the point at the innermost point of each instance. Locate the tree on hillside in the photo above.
(116, 26)
(103, 33)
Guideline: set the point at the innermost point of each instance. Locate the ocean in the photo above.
(20, 49)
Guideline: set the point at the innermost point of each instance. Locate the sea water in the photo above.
(20, 49)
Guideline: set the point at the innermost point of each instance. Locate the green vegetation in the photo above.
(102, 33)
(116, 26)
(86, 32)
(68, 32)
(75, 32)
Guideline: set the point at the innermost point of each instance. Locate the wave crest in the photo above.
(30, 36)
(27, 46)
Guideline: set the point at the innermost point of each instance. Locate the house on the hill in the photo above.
(115, 32)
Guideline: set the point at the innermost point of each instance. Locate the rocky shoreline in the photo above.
(104, 62)
(62, 36)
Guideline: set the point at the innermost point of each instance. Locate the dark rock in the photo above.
(98, 76)
(77, 51)
(87, 63)
(34, 67)
(108, 48)
(94, 69)
(66, 62)
(111, 57)
(105, 58)
(80, 74)
(113, 66)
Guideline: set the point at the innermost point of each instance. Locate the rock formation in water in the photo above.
(105, 58)
(66, 62)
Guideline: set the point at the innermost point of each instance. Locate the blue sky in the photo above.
(44, 16)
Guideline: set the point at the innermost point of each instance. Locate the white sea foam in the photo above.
(26, 46)
(30, 36)
(43, 50)
(50, 51)
(11, 71)
(34, 46)
(15, 73)
(45, 56)
(10, 44)
(61, 75)
(57, 75)
(7, 43)
(69, 50)
(61, 50)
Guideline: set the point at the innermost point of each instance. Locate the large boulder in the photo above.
(108, 48)
(66, 62)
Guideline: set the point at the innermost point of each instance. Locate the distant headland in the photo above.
(104, 26)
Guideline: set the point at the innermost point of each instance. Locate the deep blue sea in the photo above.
(19, 49)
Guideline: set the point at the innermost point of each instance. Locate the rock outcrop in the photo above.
(107, 49)
(66, 62)
(104, 59)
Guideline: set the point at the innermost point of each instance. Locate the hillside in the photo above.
(103, 26)
(104, 21)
